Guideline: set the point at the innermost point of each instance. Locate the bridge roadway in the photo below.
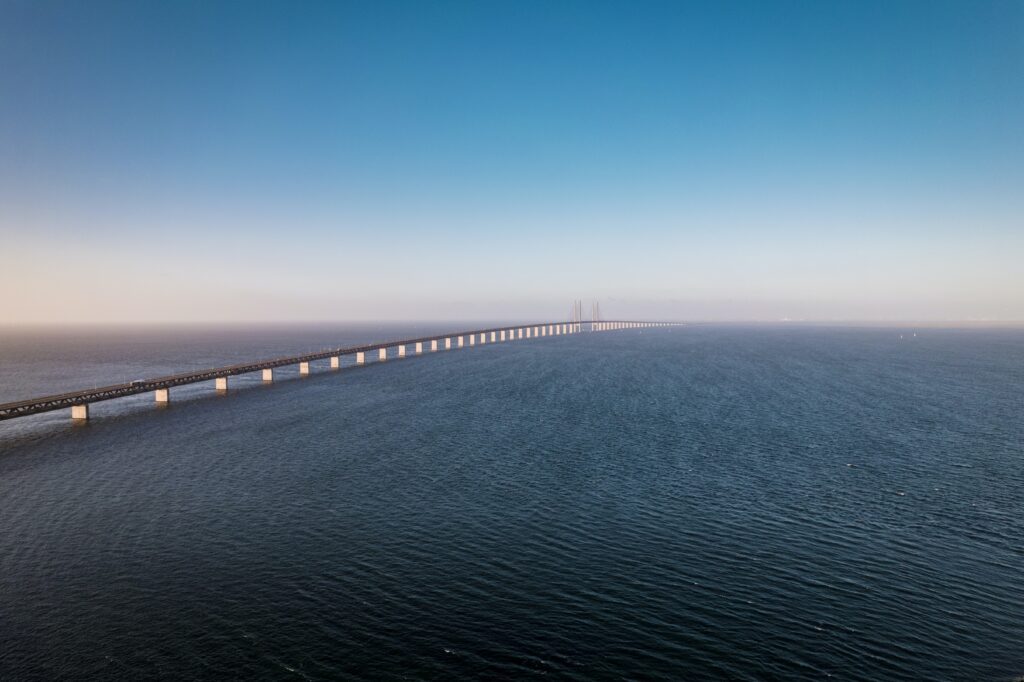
(77, 399)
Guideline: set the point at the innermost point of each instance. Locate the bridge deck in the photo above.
(48, 403)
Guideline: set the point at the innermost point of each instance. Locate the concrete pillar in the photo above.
(472, 339)
(401, 351)
(303, 368)
(360, 358)
(382, 354)
(162, 395)
(419, 347)
(520, 330)
(494, 336)
(461, 342)
(483, 337)
(221, 383)
(448, 343)
(268, 375)
(433, 345)
(502, 335)
(80, 413)
(535, 330)
(527, 332)
(335, 362)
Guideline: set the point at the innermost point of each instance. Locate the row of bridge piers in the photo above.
(163, 397)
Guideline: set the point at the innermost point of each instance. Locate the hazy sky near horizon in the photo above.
(225, 161)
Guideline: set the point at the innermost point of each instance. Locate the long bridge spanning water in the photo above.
(79, 401)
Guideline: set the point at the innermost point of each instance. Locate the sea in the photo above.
(704, 502)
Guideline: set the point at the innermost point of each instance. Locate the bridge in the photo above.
(79, 401)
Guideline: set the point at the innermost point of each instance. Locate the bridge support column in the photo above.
(419, 347)
(483, 337)
(221, 383)
(360, 358)
(461, 341)
(401, 351)
(433, 345)
(162, 395)
(335, 362)
(494, 336)
(268, 375)
(448, 343)
(527, 332)
(382, 354)
(472, 339)
(303, 368)
(502, 336)
(80, 413)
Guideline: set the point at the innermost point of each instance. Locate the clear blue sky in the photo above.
(720, 160)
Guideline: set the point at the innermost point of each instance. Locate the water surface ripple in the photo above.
(702, 502)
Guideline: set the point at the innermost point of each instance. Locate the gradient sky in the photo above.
(227, 161)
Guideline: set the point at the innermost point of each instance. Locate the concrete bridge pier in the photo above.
(483, 338)
(461, 342)
(494, 336)
(360, 358)
(303, 368)
(382, 354)
(401, 351)
(221, 383)
(433, 346)
(162, 396)
(268, 375)
(335, 362)
(448, 343)
(419, 347)
(472, 339)
(80, 413)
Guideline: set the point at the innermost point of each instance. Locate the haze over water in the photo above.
(699, 502)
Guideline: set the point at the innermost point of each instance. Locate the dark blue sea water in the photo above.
(690, 503)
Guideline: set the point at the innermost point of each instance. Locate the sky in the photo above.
(277, 161)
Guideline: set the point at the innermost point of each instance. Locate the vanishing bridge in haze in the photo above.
(79, 401)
